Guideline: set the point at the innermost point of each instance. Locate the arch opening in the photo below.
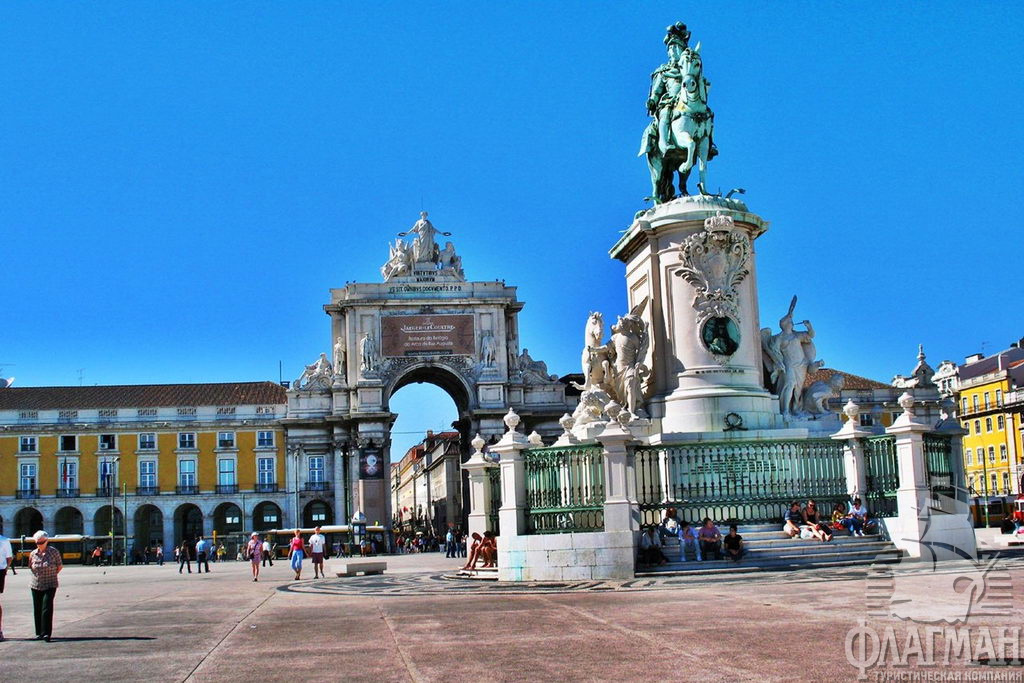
(188, 523)
(27, 521)
(317, 513)
(149, 526)
(266, 515)
(101, 521)
(68, 520)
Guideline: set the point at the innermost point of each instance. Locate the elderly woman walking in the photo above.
(254, 551)
(45, 563)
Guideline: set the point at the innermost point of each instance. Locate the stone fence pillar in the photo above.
(853, 451)
(477, 468)
(923, 530)
(512, 513)
(621, 512)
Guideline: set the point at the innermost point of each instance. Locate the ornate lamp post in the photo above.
(358, 529)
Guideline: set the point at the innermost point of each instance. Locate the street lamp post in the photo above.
(358, 529)
(112, 485)
(124, 521)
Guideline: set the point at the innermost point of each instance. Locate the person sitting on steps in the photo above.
(688, 540)
(815, 523)
(710, 540)
(793, 520)
(733, 543)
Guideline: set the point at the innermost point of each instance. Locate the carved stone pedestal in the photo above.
(694, 258)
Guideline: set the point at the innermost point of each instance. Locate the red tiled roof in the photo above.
(141, 396)
(853, 381)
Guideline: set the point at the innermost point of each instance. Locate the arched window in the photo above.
(995, 485)
(1000, 422)
(977, 426)
(1002, 452)
(992, 454)
(1006, 482)
(988, 424)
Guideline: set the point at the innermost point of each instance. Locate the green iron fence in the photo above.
(938, 459)
(882, 474)
(494, 482)
(741, 481)
(564, 489)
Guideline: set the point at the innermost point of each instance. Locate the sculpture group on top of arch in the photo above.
(423, 254)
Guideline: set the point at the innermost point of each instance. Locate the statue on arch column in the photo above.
(367, 354)
(340, 370)
(424, 247)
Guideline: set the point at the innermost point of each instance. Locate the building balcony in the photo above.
(317, 486)
(266, 488)
(227, 488)
(68, 493)
(106, 492)
(26, 494)
(189, 490)
(147, 490)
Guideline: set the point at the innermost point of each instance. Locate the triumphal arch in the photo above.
(423, 322)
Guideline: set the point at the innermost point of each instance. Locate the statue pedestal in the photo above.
(695, 389)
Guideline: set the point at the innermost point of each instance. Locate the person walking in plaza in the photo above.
(45, 563)
(267, 554)
(6, 560)
(160, 554)
(449, 543)
(202, 555)
(254, 550)
(296, 550)
(184, 553)
(317, 545)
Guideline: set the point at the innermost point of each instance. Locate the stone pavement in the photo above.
(128, 623)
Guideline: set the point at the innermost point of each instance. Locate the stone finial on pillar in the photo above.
(535, 440)
(853, 450)
(567, 438)
(511, 421)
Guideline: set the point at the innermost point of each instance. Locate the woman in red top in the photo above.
(297, 551)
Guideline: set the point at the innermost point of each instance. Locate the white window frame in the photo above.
(28, 466)
(1006, 482)
(141, 442)
(60, 443)
(969, 454)
(26, 440)
(187, 436)
(105, 444)
(988, 425)
(146, 464)
(272, 470)
(193, 473)
(104, 466)
(999, 397)
(991, 453)
(1002, 452)
(1000, 423)
(228, 443)
(321, 469)
(67, 467)
(259, 438)
(221, 472)
(867, 420)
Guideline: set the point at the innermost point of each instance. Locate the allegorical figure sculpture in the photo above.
(817, 395)
(680, 134)
(613, 371)
(399, 261)
(488, 349)
(424, 247)
(788, 358)
(367, 353)
(318, 371)
(423, 254)
(339, 357)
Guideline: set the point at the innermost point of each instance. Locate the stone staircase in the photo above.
(768, 549)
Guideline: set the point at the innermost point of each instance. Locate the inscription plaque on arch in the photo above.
(427, 335)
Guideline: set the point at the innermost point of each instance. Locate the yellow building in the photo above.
(175, 460)
(989, 412)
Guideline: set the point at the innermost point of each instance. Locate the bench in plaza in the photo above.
(365, 567)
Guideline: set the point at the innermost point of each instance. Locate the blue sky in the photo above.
(181, 183)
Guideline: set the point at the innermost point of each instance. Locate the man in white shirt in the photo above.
(6, 560)
(266, 555)
(317, 542)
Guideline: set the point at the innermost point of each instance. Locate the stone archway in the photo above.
(424, 323)
(27, 521)
(266, 515)
(149, 526)
(68, 520)
(188, 523)
(227, 519)
(317, 513)
(101, 521)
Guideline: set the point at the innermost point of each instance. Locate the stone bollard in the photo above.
(512, 513)
(853, 451)
(479, 488)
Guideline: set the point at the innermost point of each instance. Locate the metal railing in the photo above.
(266, 488)
(564, 489)
(938, 460)
(106, 491)
(26, 494)
(187, 490)
(227, 488)
(738, 481)
(68, 493)
(317, 486)
(882, 474)
(494, 482)
(147, 490)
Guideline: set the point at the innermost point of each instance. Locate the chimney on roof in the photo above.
(430, 433)
(973, 358)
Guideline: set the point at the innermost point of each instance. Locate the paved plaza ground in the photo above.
(149, 622)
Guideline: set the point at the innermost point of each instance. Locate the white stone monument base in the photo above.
(704, 409)
(955, 532)
(566, 557)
